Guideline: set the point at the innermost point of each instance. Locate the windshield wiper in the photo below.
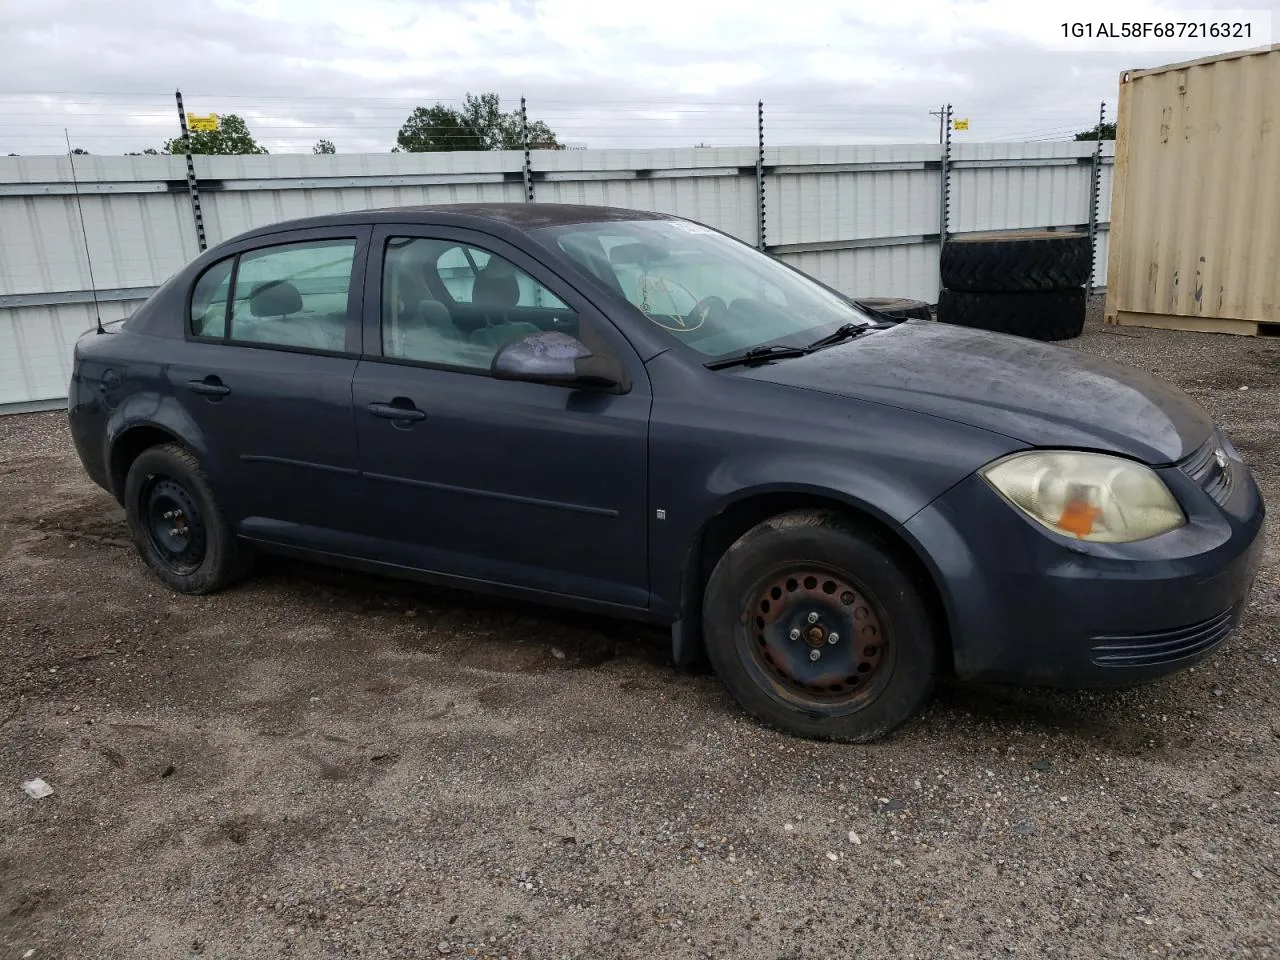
(846, 331)
(771, 351)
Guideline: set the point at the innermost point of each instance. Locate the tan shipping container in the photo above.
(1195, 207)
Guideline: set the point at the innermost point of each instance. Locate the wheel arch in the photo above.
(129, 446)
(141, 423)
(749, 508)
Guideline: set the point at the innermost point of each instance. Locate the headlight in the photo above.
(1089, 496)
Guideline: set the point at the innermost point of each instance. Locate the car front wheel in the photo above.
(816, 628)
(176, 523)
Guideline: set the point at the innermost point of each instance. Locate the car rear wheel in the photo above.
(817, 629)
(176, 523)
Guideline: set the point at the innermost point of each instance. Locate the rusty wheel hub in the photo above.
(814, 633)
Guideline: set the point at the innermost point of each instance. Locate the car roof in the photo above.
(516, 216)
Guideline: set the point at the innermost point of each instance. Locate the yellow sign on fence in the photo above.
(960, 124)
(202, 124)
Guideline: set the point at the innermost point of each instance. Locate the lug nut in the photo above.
(833, 638)
(815, 654)
(813, 617)
(795, 633)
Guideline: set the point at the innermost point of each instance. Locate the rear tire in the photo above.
(1056, 315)
(176, 523)
(772, 605)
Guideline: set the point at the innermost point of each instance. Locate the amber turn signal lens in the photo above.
(1078, 518)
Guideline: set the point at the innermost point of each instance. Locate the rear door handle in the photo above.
(210, 386)
(398, 409)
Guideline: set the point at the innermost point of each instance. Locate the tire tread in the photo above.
(1000, 265)
(1051, 315)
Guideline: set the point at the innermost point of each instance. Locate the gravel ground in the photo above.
(323, 764)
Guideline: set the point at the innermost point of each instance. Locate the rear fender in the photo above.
(153, 411)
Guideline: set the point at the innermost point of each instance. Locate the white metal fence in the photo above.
(864, 219)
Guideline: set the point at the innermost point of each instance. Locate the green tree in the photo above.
(80, 152)
(1108, 132)
(324, 146)
(479, 125)
(231, 137)
(149, 152)
(433, 129)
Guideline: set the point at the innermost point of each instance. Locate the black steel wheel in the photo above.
(818, 627)
(818, 635)
(177, 525)
(174, 524)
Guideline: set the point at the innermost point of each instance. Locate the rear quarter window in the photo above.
(209, 300)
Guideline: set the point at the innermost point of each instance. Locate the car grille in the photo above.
(1211, 469)
(1163, 646)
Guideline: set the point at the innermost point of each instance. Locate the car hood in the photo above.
(1038, 393)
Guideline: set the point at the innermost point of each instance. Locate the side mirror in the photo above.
(560, 359)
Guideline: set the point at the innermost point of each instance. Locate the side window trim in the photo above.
(231, 299)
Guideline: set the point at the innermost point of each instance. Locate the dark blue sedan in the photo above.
(636, 414)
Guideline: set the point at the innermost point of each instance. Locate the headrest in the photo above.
(274, 298)
(496, 285)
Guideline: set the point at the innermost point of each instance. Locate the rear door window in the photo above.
(294, 295)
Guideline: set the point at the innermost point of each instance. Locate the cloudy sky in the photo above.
(603, 72)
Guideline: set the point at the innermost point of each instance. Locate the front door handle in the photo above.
(398, 409)
(210, 386)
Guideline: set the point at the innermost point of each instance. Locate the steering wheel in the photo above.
(711, 306)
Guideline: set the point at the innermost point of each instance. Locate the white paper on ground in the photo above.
(37, 789)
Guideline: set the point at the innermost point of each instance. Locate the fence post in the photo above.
(528, 162)
(1095, 189)
(760, 220)
(193, 188)
(944, 200)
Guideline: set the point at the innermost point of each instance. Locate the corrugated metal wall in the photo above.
(1198, 195)
(864, 219)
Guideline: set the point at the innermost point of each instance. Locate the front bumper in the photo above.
(1027, 606)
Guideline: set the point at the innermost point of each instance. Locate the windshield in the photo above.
(708, 291)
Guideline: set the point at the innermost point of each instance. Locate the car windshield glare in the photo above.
(710, 292)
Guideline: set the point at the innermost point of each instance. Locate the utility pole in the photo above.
(941, 115)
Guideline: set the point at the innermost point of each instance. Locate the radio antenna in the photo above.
(93, 287)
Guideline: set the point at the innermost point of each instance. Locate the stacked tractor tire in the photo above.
(1028, 283)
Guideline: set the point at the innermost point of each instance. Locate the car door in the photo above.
(530, 485)
(273, 338)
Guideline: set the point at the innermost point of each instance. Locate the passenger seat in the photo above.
(497, 289)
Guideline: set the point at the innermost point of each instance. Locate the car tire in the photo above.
(177, 525)
(899, 308)
(818, 574)
(1045, 260)
(1055, 315)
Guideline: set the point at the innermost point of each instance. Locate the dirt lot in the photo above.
(323, 764)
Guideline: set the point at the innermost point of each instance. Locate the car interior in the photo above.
(456, 305)
(277, 315)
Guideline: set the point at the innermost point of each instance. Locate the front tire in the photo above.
(176, 523)
(817, 629)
